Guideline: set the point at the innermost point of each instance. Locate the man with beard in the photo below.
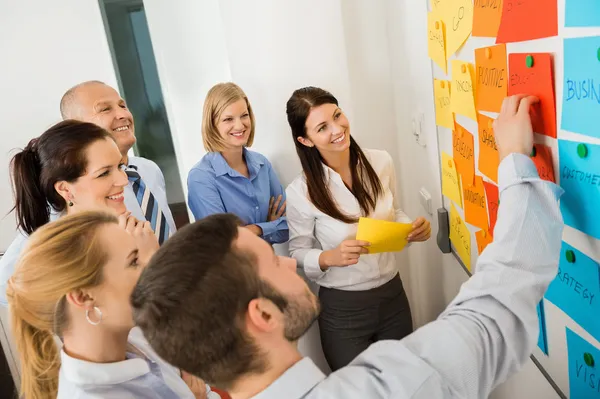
(145, 196)
(215, 300)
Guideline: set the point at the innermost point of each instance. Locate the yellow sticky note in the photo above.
(383, 235)
(460, 236)
(443, 106)
(458, 16)
(437, 41)
(462, 89)
(450, 181)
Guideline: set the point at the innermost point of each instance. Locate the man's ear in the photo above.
(262, 315)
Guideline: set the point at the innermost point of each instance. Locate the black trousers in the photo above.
(350, 321)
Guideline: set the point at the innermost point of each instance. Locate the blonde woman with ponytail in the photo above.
(74, 280)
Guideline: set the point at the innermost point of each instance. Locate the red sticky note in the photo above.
(532, 74)
(492, 194)
(489, 158)
(524, 20)
(483, 240)
(463, 153)
(542, 158)
(476, 212)
(486, 17)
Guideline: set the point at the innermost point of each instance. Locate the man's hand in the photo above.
(513, 129)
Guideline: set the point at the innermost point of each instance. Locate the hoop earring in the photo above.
(87, 316)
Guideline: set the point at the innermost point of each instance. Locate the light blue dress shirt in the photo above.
(214, 187)
(152, 176)
(487, 332)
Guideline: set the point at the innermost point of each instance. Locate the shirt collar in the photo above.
(81, 372)
(296, 382)
(221, 167)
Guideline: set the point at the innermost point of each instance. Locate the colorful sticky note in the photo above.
(491, 71)
(524, 20)
(483, 240)
(464, 153)
(476, 212)
(462, 89)
(458, 16)
(493, 202)
(584, 367)
(450, 181)
(460, 237)
(542, 158)
(437, 42)
(443, 108)
(383, 235)
(542, 341)
(582, 13)
(576, 289)
(581, 88)
(579, 166)
(532, 73)
(486, 17)
(489, 159)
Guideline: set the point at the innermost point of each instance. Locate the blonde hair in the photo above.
(219, 97)
(59, 258)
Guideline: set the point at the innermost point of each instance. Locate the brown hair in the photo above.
(191, 301)
(366, 185)
(58, 154)
(219, 97)
(59, 258)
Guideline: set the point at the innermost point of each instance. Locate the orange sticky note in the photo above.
(463, 154)
(532, 73)
(458, 16)
(489, 159)
(491, 72)
(436, 47)
(483, 239)
(443, 108)
(524, 20)
(475, 205)
(462, 89)
(542, 158)
(491, 194)
(486, 18)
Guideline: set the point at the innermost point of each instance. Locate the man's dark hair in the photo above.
(192, 298)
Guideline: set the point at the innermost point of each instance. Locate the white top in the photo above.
(153, 178)
(146, 376)
(486, 333)
(312, 231)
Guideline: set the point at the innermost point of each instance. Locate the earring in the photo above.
(87, 316)
(70, 203)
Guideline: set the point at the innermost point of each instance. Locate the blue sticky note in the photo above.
(581, 90)
(542, 342)
(576, 289)
(584, 376)
(580, 178)
(582, 13)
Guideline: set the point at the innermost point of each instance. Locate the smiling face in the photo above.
(102, 184)
(327, 129)
(102, 105)
(234, 124)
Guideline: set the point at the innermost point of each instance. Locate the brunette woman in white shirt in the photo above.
(362, 297)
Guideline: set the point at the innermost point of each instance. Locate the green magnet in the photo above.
(529, 61)
(598, 53)
(570, 255)
(588, 359)
(533, 152)
(582, 150)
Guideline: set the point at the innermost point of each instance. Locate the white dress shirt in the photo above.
(141, 375)
(487, 332)
(312, 231)
(153, 178)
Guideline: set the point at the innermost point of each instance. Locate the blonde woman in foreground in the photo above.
(74, 280)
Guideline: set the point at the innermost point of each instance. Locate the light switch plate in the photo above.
(425, 199)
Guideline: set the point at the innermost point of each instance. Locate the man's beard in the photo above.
(300, 314)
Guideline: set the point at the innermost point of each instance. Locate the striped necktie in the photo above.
(149, 205)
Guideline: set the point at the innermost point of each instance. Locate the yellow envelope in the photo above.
(383, 235)
(450, 181)
(443, 106)
(460, 236)
(437, 41)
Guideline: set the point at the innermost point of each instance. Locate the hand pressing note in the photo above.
(421, 230)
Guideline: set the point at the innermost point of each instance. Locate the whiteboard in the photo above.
(554, 366)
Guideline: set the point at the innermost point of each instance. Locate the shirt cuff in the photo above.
(312, 269)
(514, 169)
(267, 228)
